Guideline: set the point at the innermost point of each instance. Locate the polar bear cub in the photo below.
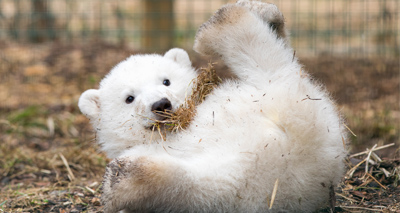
(272, 127)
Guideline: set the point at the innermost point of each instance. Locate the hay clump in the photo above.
(203, 85)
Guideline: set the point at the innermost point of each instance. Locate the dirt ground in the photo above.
(49, 161)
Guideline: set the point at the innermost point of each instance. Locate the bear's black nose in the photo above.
(161, 106)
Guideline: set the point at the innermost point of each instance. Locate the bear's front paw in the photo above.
(131, 181)
(116, 172)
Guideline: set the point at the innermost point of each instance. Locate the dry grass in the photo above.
(371, 183)
(40, 122)
(203, 85)
(44, 168)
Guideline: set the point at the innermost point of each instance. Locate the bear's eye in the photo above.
(166, 82)
(129, 99)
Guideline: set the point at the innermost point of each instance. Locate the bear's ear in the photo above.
(178, 55)
(89, 103)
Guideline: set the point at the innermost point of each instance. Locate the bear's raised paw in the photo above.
(232, 20)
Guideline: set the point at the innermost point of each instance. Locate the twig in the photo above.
(294, 54)
(366, 182)
(344, 143)
(352, 170)
(90, 190)
(368, 158)
(376, 157)
(362, 208)
(376, 149)
(274, 193)
(350, 199)
(349, 130)
(70, 174)
(313, 99)
(161, 134)
(387, 174)
(376, 180)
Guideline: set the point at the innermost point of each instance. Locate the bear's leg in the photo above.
(249, 36)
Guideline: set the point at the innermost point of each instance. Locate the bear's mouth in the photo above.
(162, 116)
(162, 120)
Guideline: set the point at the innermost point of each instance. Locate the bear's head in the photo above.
(123, 109)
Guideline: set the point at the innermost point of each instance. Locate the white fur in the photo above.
(273, 123)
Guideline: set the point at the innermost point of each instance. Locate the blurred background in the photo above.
(53, 50)
(340, 27)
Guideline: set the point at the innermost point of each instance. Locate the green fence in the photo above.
(333, 27)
